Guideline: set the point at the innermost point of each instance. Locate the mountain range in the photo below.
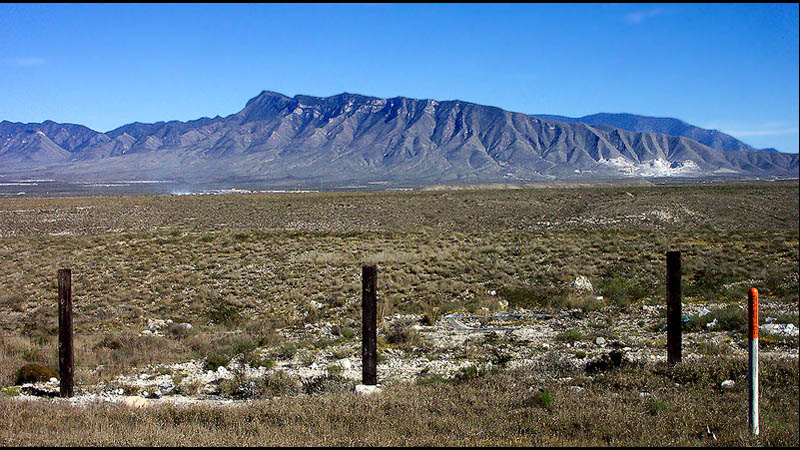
(356, 138)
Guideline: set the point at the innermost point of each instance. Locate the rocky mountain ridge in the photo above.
(351, 137)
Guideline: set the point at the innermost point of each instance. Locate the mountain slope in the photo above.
(360, 138)
(673, 127)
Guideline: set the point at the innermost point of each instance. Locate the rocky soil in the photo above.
(573, 341)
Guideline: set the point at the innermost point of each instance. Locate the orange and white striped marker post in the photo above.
(752, 310)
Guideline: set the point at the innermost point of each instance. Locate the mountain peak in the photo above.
(354, 137)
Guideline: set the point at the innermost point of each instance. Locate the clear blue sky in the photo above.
(727, 67)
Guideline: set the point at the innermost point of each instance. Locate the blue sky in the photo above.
(727, 67)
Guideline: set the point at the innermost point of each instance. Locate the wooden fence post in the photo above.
(66, 358)
(673, 307)
(369, 341)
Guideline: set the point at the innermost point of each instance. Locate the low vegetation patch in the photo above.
(33, 373)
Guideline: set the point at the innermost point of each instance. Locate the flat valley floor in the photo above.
(505, 316)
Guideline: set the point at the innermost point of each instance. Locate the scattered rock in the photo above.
(600, 341)
(345, 364)
(156, 324)
(367, 389)
(788, 329)
(581, 283)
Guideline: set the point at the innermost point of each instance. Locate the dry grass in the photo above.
(498, 408)
(249, 270)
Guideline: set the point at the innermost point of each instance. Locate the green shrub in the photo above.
(335, 369)
(657, 406)
(216, 360)
(622, 291)
(278, 383)
(401, 334)
(221, 310)
(285, 351)
(730, 318)
(424, 379)
(467, 373)
(329, 383)
(539, 399)
(708, 283)
(532, 297)
(707, 370)
(570, 336)
(178, 331)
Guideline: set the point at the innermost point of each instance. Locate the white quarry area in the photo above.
(655, 168)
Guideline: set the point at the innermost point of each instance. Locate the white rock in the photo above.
(728, 384)
(582, 283)
(156, 324)
(525, 334)
(53, 380)
(134, 401)
(492, 293)
(600, 340)
(703, 312)
(367, 389)
(712, 324)
(345, 364)
(780, 329)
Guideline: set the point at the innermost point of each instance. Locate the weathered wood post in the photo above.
(673, 307)
(65, 354)
(752, 310)
(369, 340)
